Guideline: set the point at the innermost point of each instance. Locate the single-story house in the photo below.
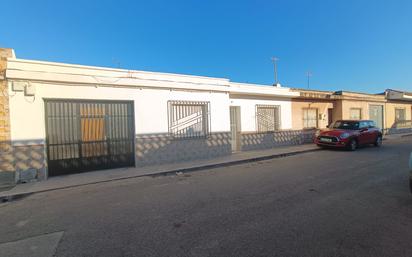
(58, 118)
(64, 118)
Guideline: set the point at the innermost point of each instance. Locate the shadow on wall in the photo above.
(22, 161)
(163, 148)
(267, 140)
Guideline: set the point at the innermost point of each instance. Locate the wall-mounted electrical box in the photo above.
(18, 86)
(30, 90)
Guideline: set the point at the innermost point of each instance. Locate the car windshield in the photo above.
(352, 125)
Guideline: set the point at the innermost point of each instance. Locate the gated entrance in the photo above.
(88, 135)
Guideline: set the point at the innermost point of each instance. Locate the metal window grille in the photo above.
(267, 118)
(310, 118)
(355, 113)
(400, 114)
(189, 119)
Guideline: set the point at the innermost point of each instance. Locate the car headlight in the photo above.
(344, 135)
(317, 133)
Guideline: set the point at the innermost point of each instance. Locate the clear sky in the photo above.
(358, 45)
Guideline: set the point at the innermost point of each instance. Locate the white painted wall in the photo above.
(28, 121)
(150, 92)
(248, 112)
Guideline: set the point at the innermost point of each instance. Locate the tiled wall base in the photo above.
(258, 141)
(154, 149)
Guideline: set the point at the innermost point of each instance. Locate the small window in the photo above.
(310, 118)
(267, 118)
(355, 113)
(400, 114)
(371, 124)
(189, 119)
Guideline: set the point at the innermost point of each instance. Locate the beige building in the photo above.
(312, 109)
(398, 111)
(391, 111)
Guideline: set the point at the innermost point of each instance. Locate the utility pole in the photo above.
(308, 74)
(275, 66)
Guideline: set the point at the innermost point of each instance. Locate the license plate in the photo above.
(325, 139)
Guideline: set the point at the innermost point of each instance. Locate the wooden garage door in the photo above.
(88, 135)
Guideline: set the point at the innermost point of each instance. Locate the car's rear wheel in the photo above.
(353, 144)
(378, 141)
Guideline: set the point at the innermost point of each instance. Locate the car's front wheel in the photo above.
(353, 144)
(378, 141)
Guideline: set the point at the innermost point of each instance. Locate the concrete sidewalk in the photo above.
(101, 176)
(396, 136)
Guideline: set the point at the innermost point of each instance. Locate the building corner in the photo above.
(7, 170)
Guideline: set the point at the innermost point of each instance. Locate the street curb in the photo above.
(8, 198)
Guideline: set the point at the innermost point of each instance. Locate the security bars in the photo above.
(267, 118)
(189, 119)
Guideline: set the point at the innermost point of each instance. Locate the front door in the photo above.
(235, 128)
(88, 135)
(330, 116)
(376, 114)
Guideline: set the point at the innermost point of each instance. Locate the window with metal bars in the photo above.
(189, 119)
(310, 118)
(400, 114)
(267, 118)
(355, 113)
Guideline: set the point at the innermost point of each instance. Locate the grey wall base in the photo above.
(267, 140)
(152, 149)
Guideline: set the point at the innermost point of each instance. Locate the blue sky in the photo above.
(363, 45)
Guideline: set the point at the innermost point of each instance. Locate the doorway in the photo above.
(330, 116)
(376, 114)
(235, 128)
(83, 135)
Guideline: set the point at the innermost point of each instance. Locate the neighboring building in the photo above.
(313, 109)
(391, 111)
(68, 118)
(356, 106)
(398, 111)
(6, 154)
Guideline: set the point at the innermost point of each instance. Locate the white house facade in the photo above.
(68, 118)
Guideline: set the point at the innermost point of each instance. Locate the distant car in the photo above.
(349, 134)
(410, 172)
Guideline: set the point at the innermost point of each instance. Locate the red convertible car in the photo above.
(349, 134)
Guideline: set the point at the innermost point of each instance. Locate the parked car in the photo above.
(410, 172)
(349, 134)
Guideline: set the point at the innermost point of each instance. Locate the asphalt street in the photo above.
(325, 203)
